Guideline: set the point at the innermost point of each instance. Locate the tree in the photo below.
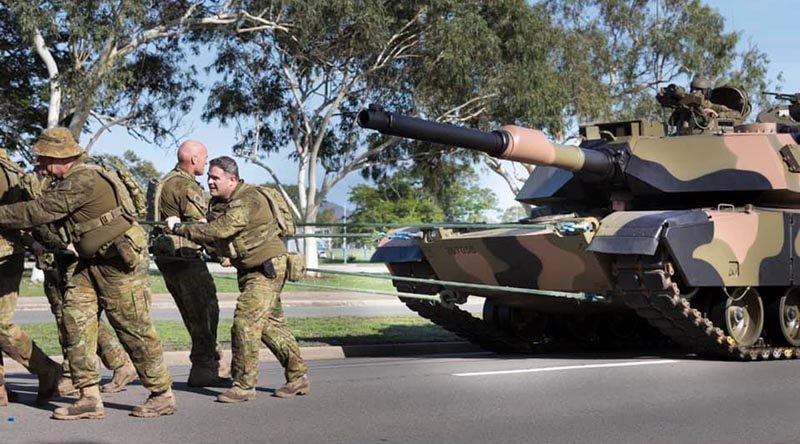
(513, 214)
(299, 91)
(116, 62)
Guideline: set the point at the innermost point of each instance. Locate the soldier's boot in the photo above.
(206, 377)
(65, 387)
(157, 404)
(88, 406)
(49, 374)
(122, 377)
(236, 394)
(300, 386)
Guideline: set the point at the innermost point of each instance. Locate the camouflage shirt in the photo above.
(81, 195)
(240, 228)
(182, 196)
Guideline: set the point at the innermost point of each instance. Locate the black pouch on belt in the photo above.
(268, 269)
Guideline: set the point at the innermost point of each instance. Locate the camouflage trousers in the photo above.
(13, 341)
(259, 318)
(195, 294)
(110, 350)
(124, 295)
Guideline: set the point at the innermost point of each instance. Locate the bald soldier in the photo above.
(185, 272)
(111, 275)
(246, 226)
(13, 340)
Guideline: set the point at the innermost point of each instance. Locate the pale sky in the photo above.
(769, 24)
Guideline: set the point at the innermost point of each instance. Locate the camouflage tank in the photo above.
(686, 228)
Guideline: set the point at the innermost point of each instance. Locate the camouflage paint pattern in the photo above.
(529, 258)
(259, 318)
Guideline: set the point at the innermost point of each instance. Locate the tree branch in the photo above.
(54, 110)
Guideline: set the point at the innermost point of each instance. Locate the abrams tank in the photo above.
(685, 230)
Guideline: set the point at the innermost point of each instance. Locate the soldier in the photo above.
(55, 257)
(247, 227)
(111, 274)
(13, 341)
(185, 272)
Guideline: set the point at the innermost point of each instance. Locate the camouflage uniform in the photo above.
(246, 230)
(13, 341)
(186, 274)
(111, 273)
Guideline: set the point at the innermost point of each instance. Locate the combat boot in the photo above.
(299, 386)
(88, 406)
(65, 387)
(206, 377)
(157, 404)
(236, 394)
(122, 377)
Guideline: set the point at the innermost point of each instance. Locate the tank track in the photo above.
(474, 330)
(647, 286)
(489, 337)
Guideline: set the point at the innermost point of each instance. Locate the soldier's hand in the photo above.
(71, 248)
(172, 221)
(225, 262)
(202, 220)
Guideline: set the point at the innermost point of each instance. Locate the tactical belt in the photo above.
(106, 218)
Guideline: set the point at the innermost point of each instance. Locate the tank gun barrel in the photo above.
(792, 98)
(509, 142)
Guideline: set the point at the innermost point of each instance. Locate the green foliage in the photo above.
(634, 47)
(513, 214)
(24, 111)
(410, 197)
(117, 62)
(397, 199)
(142, 170)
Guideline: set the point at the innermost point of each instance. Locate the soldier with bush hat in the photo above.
(111, 275)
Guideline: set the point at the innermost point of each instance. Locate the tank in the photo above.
(684, 231)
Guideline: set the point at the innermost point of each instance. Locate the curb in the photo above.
(314, 353)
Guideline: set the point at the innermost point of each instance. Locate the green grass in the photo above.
(344, 330)
(226, 283)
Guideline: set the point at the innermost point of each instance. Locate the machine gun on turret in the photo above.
(782, 114)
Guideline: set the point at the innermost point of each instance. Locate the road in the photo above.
(467, 398)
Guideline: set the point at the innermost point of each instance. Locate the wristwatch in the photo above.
(175, 228)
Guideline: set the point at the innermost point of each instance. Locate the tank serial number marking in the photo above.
(455, 251)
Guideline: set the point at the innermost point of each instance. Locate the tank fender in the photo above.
(639, 232)
(401, 245)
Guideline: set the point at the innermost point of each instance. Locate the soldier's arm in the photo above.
(226, 225)
(53, 205)
(194, 205)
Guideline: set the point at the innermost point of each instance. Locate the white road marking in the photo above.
(568, 367)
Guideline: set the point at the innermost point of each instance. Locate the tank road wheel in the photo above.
(740, 315)
(784, 318)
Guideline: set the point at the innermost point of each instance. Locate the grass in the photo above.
(343, 330)
(226, 283)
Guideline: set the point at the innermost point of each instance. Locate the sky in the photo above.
(768, 24)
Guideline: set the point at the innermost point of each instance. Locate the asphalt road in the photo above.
(470, 398)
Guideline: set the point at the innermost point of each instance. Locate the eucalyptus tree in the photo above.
(117, 62)
(297, 92)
